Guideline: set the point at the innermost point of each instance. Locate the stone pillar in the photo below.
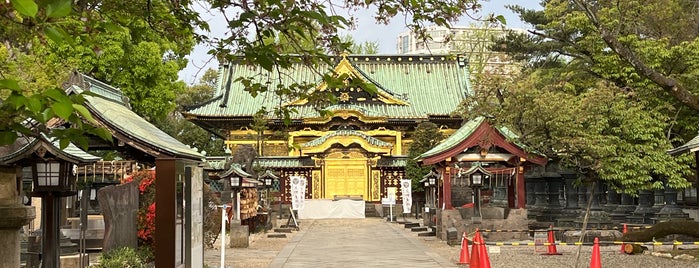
(596, 196)
(658, 199)
(540, 193)
(622, 210)
(499, 191)
(239, 235)
(571, 193)
(531, 198)
(14, 216)
(644, 210)
(670, 211)
(571, 210)
(582, 196)
(552, 209)
(598, 218)
(612, 200)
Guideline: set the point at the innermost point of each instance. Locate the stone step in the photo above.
(419, 229)
(412, 224)
(276, 235)
(427, 234)
(283, 230)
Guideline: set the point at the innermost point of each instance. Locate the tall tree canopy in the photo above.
(425, 137)
(139, 47)
(187, 132)
(607, 88)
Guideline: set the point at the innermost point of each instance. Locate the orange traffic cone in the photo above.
(552, 244)
(464, 258)
(482, 252)
(622, 244)
(596, 261)
(475, 255)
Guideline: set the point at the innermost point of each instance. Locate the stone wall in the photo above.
(509, 219)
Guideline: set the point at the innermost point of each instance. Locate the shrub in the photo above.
(120, 258)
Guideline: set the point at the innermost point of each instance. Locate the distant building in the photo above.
(474, 42)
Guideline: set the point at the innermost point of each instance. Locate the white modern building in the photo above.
(473, 42)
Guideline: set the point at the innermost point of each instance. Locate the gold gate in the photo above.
(346, 177)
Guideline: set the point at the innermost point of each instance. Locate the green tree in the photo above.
(94, 30)
(115, 41)
(582, 102)
(367, 47)
(187, 132)
(425, 137)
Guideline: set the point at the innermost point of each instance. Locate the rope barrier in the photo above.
(604, 243)
(559, 229)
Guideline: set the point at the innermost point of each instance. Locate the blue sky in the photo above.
(367, 30)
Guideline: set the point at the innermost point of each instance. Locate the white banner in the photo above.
(298, 192)
(406, 190)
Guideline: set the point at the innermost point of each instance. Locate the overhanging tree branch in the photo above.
(675, 88)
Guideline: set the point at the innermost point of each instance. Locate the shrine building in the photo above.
(358, 149)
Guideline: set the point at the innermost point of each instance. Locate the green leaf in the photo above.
(84, 113)
(54, 34)
(25, 7)
(57, 95)
(7, 137)
(34, 104)
(103, 133)
(9, 84)
(501, 19)
(63, 109)
(58, 8)
(64, 143)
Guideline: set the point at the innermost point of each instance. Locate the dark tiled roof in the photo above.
(691, 146)
(23, 147)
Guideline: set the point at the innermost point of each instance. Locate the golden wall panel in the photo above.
(346, 177)
(317, 190)
(375, 185)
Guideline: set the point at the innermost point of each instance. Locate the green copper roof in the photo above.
(284, 162)
(235, 168)
(459, 135)
(24, 147)
(690, 146)
(113, 109)
(428, 86)
(467, 130)
(347, 132)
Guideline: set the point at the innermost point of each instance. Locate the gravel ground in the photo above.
(525, 257)
(263, 250)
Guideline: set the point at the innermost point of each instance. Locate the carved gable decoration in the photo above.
(355, 87)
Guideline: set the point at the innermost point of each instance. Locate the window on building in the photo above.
(406, 44)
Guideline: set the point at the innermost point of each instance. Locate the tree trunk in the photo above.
(660, 230)
(633, 249)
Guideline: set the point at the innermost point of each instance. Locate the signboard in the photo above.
(298, 192)
(391, 194)
(406, 189)
(539, 239)
(387, 201)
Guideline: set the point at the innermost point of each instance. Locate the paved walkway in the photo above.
(370, 242)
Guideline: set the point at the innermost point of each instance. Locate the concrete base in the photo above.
(487, 213)
(239, 236)
(604, 235)
(73, 261)
(515, 219)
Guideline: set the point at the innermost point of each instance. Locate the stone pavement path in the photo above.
(370, 242)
